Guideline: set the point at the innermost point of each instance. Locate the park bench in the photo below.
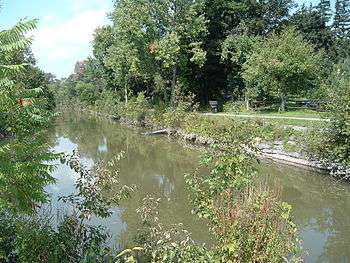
(214, 105)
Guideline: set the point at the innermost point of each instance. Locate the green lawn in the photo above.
(279, 122)
(291, 112)
(272, 115)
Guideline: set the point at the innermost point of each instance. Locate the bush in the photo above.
(7, 235)
(136, 109)
(235, 106)
(87, 92)
(339, 107)
(257, 228)
(250, 223)
(34, 240)
(107, 102)
(332, 141)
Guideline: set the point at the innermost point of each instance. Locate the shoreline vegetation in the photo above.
(159, 63)
(272, 150)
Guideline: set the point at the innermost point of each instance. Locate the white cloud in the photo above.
(78, 5)
(58, 39)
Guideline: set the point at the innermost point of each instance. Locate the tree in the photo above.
(282, 65)
(128, 56)
(236, 49)
(24, 168)
(103, 40)
(155, 38)
(311, 23)
(337, 146)
(31, 77)
(341, 23)
(324, 8)
(228, 18)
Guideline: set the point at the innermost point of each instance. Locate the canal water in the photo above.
(156, 165)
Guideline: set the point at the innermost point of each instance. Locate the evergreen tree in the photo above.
(324, 8)
(341, 22)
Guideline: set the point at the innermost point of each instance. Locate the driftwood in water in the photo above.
(164, 131)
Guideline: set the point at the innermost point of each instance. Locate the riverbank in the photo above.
(156, 164)
(270, 150)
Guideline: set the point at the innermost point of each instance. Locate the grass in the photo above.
(268, 113)
(278, 122)
(291, 112)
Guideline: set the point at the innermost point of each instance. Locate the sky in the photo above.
(64, 32)
(65, 29)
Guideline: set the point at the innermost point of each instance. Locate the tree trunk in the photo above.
(283, 103)
(173, 86)
(165, 95)
(126, 94)
(246, 99)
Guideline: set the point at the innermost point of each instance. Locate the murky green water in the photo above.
(156, 165)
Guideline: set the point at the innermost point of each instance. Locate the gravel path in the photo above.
(265, 117)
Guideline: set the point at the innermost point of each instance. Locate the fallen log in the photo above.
(164, 131)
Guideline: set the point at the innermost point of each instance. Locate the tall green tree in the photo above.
(324, 7)
(232, 17)
(341, 23)
(103, 40)
(156, 38)
(283, 65)
(236, 49)
(312, 24)
(128, 55)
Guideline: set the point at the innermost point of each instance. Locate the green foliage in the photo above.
(93, 187)
(341, 21)
(24, 115)
(7, 234)
(334, 141)
(283, 65)
(34, 239)
(258, 228)
(162, 243)
(311, 23)
(339, 106)
(107, 102)
(235, 51)
(250, 224)
(87, 92)
(234, 106)
(135, 110)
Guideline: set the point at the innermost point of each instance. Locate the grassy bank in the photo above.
(284, 141)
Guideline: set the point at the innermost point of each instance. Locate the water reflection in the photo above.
(321, 208)
(156, 166)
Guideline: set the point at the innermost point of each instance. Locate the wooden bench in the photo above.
(214, 105)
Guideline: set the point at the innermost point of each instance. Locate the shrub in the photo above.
(331, 141)
(250, 223)
(87, 92)
(136, 109)
(339, 106)
(256, 228)
(107, 102)
(235, 106)
(7, 235)
(163, 243)
(34, 240)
